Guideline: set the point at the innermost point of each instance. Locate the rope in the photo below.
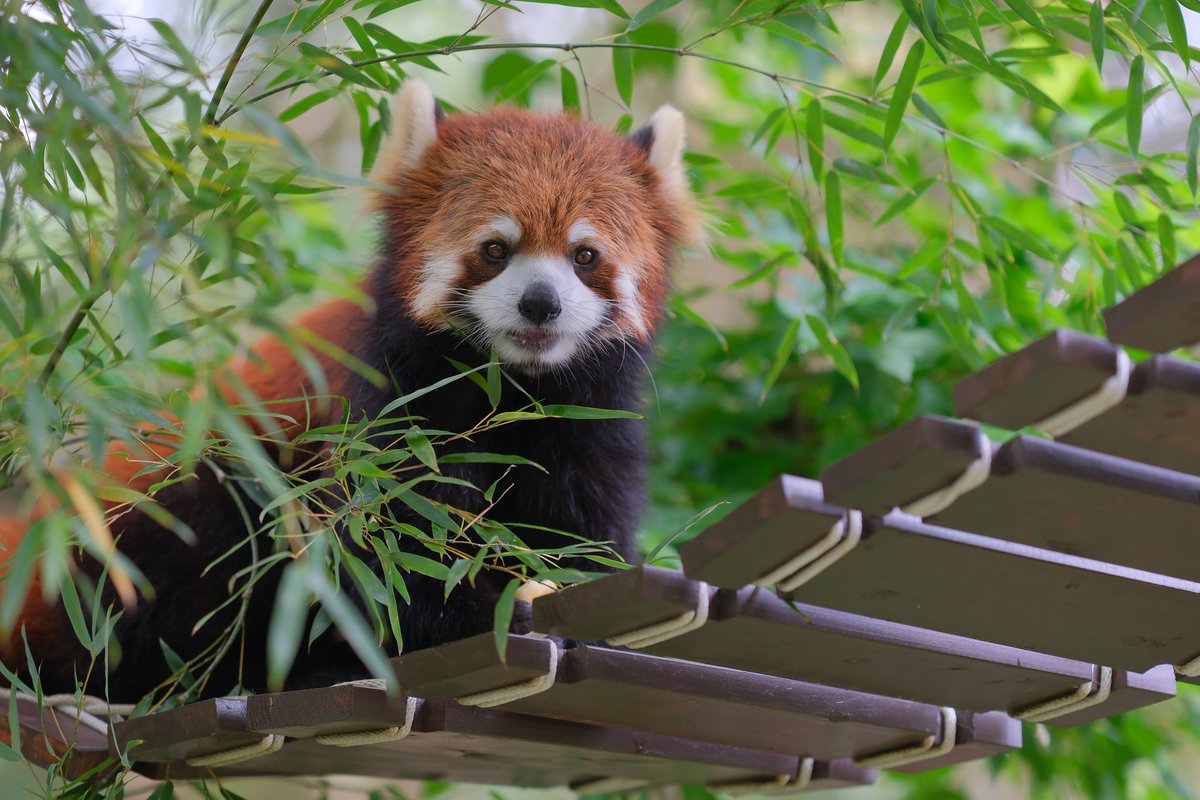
(1089, 693)
(1110, 394)
(608, 786)
(1189, 669)
(235, 755)
(668, 629)
(845, 534)
(927, 748)
(779, 784)
(507, 694)
(377, 735)
(972, 477)
(86, 709)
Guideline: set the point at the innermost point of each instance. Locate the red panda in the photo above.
(541, 238)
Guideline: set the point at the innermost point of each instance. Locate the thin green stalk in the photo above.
(235, 57)
(566, 47)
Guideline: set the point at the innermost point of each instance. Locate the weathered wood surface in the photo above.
(1162, 316)
(1157, 422)
(756, 631)
(45, 737)
(449, 742)
(1043, 493)
(196, 729)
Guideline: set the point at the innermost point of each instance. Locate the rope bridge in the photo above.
(908, 611)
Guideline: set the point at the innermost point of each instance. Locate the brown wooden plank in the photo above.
(46, 737)
(472, 666)
(1089, 504)
(1044, 493)
(1162, 316)
(767, 530)
(202, 728)
(932, 577)
(458, 743)
(917, 458)
(1130, 690)
(1041, 379)
(1158, 421)
(756, 631)
(608, 687)
(977, 736)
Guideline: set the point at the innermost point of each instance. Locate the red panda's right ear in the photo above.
(415, 115)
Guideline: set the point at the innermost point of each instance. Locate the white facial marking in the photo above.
(630, 304)
(439, 273)
(495, 305)
(582, 231)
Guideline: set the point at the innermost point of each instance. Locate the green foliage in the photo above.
(899, 192)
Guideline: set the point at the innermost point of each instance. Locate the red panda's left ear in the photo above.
(415, 115)
(662, 140)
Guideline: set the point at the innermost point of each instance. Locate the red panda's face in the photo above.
(544, 237)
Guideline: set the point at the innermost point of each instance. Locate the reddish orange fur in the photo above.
(270, 373)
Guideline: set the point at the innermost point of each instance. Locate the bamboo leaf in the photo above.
(902, 93)
(1025, 11)
(1178, 30)
(622, 62)
(570, 90)
(783, 353)
(831, 347)
(1193, 163)
(1134, 109)
(502, 617)
(889, 51)
(833, 215)
(1097, 32)
(649, 12)
(287, 624)
(815, 131)
(524, 80)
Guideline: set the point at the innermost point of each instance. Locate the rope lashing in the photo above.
(971, 478)
(798, 570)
(1088, 694)
(375, 735)
(88, 710)
(1189, 669)
(1110, 394)
(927, 748)
(668, 629)
(235, 755)
(519, 691)
(778, 784)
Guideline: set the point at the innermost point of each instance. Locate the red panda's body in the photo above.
(543, 239)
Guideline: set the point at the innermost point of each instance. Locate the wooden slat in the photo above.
(457, 743)
(933, 577)
(46, 737)
(608, 687)
(903, 465)
(197, 729)
(1043, 493)
(786, 516)
(1162, 316)
(755, 631)
(1158, 421)
(1041, 379)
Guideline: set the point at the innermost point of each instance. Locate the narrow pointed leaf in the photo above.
(1134, 109)
(902, 93)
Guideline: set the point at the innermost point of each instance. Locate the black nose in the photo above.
(539, 304)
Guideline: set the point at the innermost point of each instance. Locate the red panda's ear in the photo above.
(662, 140)
(415, 115)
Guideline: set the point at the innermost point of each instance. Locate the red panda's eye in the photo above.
(585, 257)
(495, 251)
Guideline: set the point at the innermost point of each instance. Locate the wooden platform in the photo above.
(906, 612)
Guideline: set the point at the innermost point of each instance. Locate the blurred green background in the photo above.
(898, 193)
